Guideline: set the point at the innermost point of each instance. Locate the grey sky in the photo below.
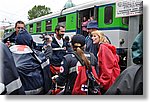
(13, 10)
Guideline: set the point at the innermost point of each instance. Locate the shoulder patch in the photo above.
(20, 49)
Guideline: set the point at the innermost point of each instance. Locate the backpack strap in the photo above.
(45, 72)
(36, 57)
(74, 69)
(81, 61)
(42, 63)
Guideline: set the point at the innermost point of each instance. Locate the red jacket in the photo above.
(108, 62)
(80, 86)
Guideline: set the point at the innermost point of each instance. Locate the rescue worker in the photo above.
(9, 39)
(70, 64)
(10, 83)
(59, 49)
(32, 65)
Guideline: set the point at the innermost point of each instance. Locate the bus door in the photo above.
(89, 14)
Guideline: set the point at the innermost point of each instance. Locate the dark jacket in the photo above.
(9, 37)
(130, 82)
(90, 47)
(32, 65)
(10, 76)
(69, 75)
(58, 52)
(33, 69)
(48, 52)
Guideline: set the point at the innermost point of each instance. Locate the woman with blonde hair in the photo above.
(99, 37)
(107, 60)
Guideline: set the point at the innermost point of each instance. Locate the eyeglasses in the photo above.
(20, 27)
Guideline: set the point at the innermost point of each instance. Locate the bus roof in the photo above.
(73, 9)
(10, 27)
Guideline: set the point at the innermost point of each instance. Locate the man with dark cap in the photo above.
(90, 47)
(70, 63)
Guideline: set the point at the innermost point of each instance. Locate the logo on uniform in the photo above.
(20, 49)
(84, 87)
(61, 69)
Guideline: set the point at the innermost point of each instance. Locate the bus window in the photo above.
(6, 31)
(48, 25)
(31, 28)
(11, 30)
(125, 20)
(108, 18)
(38, 27)
(62, 21)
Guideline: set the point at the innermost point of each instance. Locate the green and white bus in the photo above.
(102, 10)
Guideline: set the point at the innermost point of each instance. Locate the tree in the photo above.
(38, 11)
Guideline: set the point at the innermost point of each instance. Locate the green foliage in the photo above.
(38, 11)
